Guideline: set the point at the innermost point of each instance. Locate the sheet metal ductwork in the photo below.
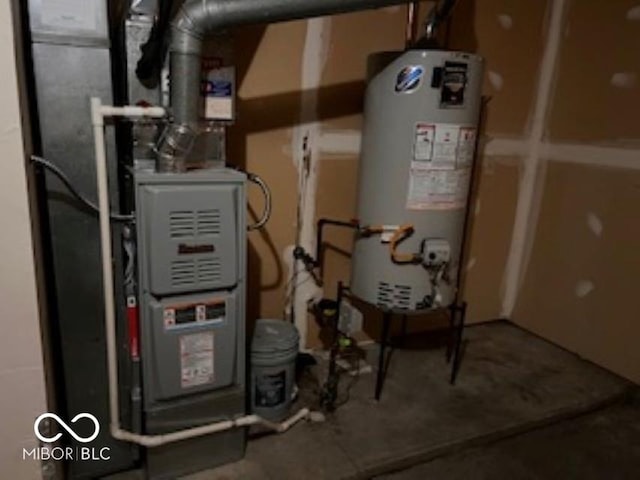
(198, 18)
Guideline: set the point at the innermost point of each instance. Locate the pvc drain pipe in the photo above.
(98, 113)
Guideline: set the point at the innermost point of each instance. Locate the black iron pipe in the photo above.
(319, 260)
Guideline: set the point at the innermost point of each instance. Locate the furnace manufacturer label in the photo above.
(441, 166)
(196, 359)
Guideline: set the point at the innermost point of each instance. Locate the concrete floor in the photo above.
(511, 382)
(603, 444)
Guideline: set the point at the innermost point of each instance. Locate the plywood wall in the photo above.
(582, 270)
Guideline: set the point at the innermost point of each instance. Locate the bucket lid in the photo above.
(274, 335)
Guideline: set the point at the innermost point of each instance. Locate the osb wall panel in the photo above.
(510, 36)
(344, 74)
(490, 236)
(582, 278)
(599, 76)
(268, 60)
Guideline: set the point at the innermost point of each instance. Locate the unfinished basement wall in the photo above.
(512, 37)
(581, 259)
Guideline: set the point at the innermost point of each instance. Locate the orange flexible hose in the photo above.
(400, 234)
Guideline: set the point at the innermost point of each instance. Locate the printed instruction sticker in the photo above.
(445, 146)
(438, 189)
(423, 143)
(466, 146)
(196, 359)
(441, 166)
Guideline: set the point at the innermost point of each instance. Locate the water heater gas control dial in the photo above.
(436, 251)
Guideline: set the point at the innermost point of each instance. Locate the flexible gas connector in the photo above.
(399, 235)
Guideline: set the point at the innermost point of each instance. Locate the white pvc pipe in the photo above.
(98, 113)
(130, 111)
(107, 274)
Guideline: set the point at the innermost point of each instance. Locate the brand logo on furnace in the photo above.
(184, 249)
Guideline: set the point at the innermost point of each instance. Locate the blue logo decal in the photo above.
(409, 79)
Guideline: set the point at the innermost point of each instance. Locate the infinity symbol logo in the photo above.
(36, 427)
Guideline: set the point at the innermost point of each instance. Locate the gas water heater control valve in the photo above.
(436, 252)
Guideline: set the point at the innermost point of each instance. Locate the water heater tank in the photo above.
(421, 117)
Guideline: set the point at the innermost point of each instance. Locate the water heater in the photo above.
(421, 118)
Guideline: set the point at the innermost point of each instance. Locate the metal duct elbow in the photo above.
(198, 18)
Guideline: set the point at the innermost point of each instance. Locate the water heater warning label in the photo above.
(441, 166)
(196, 359)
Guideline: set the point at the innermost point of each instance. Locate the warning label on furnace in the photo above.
(441, 166)
(196, 359)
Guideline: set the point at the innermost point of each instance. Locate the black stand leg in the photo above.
(452, 332)
(329, 393)
(386, 322)
(460, 315)
(405, 321)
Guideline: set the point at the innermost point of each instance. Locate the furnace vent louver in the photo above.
(181, 224)
(209, 270)
(189, 224)
(208, 222)
(185, 273)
